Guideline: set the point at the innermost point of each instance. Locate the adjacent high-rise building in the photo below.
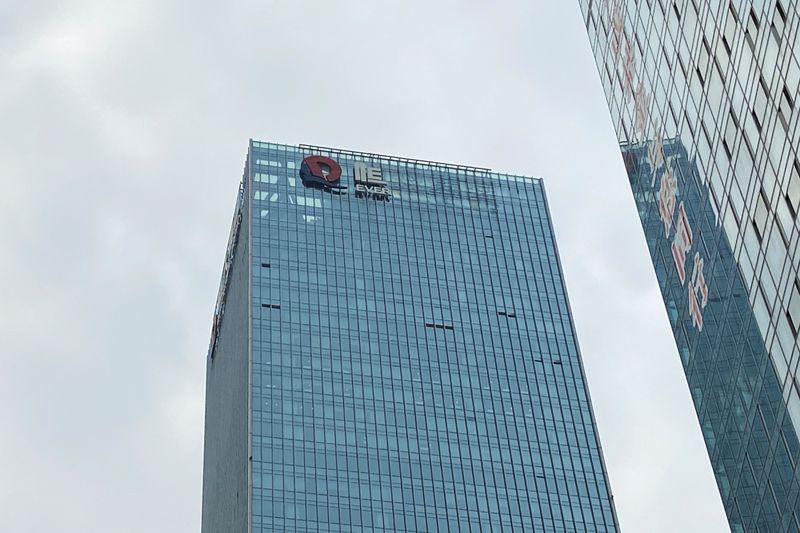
(702, 95)
(392, 350)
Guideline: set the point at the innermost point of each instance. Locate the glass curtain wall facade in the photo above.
(411, 361)
(702, 96)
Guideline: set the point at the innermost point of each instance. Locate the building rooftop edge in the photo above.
(372, 155)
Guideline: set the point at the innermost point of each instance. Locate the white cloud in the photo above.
(124, 130)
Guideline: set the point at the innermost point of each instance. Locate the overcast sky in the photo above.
(123, 132)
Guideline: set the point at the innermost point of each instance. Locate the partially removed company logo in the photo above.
(321, 172)
(370, 183)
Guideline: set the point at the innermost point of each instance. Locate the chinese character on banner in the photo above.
(697, 288)
(617, 28)
(613, 39)
(628, 69)
(641, 102)
(667, 195)
(682, 243)
(609, 6)
(655, 154)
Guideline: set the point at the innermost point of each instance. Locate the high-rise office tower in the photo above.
(702, 95)
(392, 350)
